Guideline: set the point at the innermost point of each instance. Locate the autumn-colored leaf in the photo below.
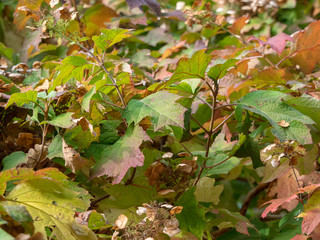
(277, 43)
(27, 9)
(125, 153)
(307, 46)
(238, 25)
(276, 203)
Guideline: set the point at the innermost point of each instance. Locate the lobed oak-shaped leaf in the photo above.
(51, 199)
(52, 205)
(125, 153)
(270, 104)
(190, 68)
(161, 107)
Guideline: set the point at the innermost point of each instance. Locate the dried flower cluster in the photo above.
(160, 218)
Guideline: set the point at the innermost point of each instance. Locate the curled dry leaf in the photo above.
(283, 123)
(33, 156)
(121, 221)
(176, 210)
(72, 157)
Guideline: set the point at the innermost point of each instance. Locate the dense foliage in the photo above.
(145, 119)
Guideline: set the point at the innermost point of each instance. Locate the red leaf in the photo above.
(242, 227)
(300, 237)
(277, 43)
(275, 203)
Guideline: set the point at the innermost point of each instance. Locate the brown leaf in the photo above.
(33, 156)
(154, 173)
(72, 157)
(239, 24)
(283, 123)
(176, 210)
(25, 140)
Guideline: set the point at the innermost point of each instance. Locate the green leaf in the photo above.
(6, 52)
(251, 149)
(86, 99)
(13, 160)
(270, 104)
(223, 168)
(109, 37)
(241, 223)
(52, 204)
(221, 69)
(71, 67)
(63, 120)
(124, 197)
(118, 158)
(307, 105)
(18, 213)
(108, 132)
(192, 216)
(207, 192)
(55, 148)
(96, 221)
(193, 68)
(22, 98)
(161, 107)
(5, 236)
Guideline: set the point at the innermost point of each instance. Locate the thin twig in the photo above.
(227, 105)
(200, 125)
(223, 122)
(129, 181)
(210, 132)
(219, 163)
(204, 101)
(44, 132)
(94, 202)
(185, 148)
(104, 69)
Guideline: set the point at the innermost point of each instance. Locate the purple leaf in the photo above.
(277, 43)
(153, 4)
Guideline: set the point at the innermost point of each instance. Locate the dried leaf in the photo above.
(121, 221)
(283, 123)
(72, 157)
